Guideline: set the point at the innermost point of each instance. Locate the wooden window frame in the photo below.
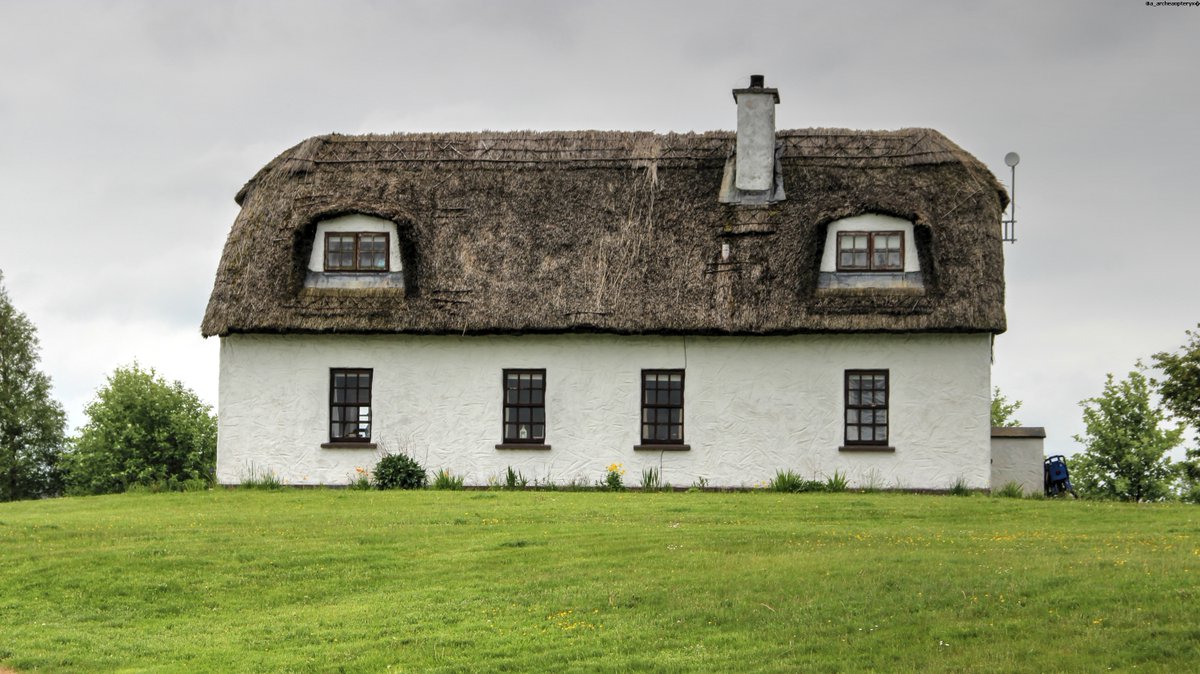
(647, 406)
(860, 407)
(334, 404)
(871, 267)
(534, 407)
(356, 269)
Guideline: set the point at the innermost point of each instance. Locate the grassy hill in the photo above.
(325, 580)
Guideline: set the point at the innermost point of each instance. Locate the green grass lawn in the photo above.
(324, 580)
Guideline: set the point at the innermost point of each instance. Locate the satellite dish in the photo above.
(1012, 159)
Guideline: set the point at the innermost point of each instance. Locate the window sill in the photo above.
(349, 445)
(866, 448)
(662, 448)
(523, 445)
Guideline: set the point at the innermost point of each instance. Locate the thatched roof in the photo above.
(617, 232)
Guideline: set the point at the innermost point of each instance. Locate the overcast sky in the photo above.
(126, 128)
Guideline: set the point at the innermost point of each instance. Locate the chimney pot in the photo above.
(756, 81)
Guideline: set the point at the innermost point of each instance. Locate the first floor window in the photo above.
(356, 251)
(349, 405)
(870, 251)
(662, 406)
(525, 406)
(866, 407)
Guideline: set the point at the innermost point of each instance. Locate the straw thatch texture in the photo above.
(611, 232)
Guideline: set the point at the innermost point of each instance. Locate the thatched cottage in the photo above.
(720, 305)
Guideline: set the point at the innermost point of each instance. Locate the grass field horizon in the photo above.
(329, 580)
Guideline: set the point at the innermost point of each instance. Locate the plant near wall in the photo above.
(361, 480)
(613, 478)
(959, 487)
(1010, 490)
(513, 479)
(651, 479)
(444, 479)
(399, 471)
(791, 482)
(836, 482)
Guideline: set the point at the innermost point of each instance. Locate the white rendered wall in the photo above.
(752, 405)
(1020, 460)
(354, 223)
(870, 222)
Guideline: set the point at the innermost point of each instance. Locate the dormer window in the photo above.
(356, 251)
(870, 251)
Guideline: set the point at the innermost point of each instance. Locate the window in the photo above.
(349, 405)
(525, 407)
(662, 407)
(870, 251)
(866, 407)
(356, 251)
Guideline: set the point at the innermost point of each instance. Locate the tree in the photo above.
(31, 422)
(1126, 444)
(1179, 389)
(142, 430)
(1002, 410)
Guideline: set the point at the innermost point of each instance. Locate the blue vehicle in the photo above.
(1057, 479)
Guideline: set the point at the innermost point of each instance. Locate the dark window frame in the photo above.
(534, 407)
(357, 268)
(339, 420)
(860, 407)
(870, 251)
(643, 423)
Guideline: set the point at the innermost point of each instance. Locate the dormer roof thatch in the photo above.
(617, 232)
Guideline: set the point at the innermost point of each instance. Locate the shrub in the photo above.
(613, 480)
(1010, 490)
(141, 430)
(791, 481)
(399, 471)
(444, 480)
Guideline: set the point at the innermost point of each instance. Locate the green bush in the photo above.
(399, 471)
(791, 481)
(142, 430)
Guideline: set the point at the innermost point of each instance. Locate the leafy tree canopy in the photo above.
(31, 422)
(1179, 388)
(142, 430)
(1003, 410)
(1126, 444)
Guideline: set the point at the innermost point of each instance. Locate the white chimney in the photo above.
(755, 136)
